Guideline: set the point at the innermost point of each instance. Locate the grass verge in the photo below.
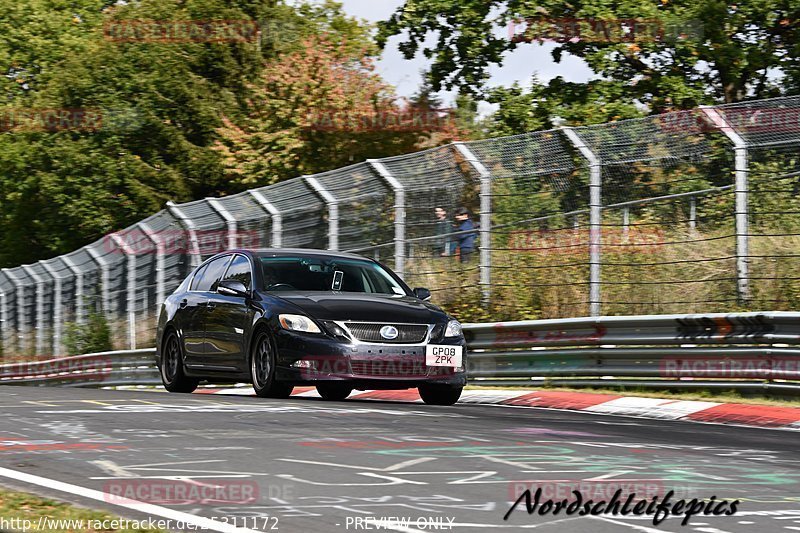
(18, 507)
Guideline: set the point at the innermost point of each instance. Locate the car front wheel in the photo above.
(172, 375)
(439, 395)
(262, 370)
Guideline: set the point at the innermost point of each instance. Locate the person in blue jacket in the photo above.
(465, 242)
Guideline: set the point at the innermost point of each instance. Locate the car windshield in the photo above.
(327, 275)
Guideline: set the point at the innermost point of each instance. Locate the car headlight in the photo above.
(298, 323)
(453, 329)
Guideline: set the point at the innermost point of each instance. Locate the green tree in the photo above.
(160, 106)
(537, 108)
(317, 109)
(683, 53)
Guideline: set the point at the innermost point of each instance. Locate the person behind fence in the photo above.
(443, 230)
(464, 244)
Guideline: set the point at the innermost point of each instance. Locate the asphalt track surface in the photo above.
(315, 466)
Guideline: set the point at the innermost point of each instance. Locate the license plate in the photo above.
(438, 355)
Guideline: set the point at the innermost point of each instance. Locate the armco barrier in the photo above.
(744, 351)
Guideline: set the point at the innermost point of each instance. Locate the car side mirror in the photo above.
(231, 287)
(422, 293)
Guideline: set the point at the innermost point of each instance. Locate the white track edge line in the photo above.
(134, 505)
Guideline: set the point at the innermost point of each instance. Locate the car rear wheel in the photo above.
(333, 391)
(439, 395)
(262, 370)
(172, 375)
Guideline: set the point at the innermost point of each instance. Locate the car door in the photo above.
(228, 321)
(191, 319)
(194, 307)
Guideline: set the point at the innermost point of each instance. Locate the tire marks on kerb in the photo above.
(148, 508)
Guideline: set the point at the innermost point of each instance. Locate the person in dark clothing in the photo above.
(465, 241)
(443, 229)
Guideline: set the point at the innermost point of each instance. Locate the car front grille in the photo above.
(371, 332)
(390, 367)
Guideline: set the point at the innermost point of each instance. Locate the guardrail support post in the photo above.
(486, 220)
(595, 219)
(105, 300)
(39, 307)
(58, 315)
(275, 215)
(626, 222)
(399, 214)
(130, 287)
(3, 323)
(187, 224)
(333, 211)
(741, 189)
(79, 309)
(20, 336)
(160, 252)
(230, 221)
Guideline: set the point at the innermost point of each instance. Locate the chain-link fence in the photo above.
(692, 211)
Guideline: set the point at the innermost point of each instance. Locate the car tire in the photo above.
(334, 391)
(439, 395)
(262, 369)
(171, 367)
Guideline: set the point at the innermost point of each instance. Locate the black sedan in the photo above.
(280, 318)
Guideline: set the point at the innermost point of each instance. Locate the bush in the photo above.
(93, 336)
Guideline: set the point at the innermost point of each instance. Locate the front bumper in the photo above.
(309, 359)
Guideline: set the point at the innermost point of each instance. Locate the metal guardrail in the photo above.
(104, 369)
(743, 351)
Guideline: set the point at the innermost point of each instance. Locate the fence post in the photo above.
(79, 317)
(58, 315)
(333, 211)
(595, 219)
(130, 287)
(692, 213)
(187, 224)
(39, 307)
(399, 214)
(230, 221)
(20, 336)
(486, 220)
(741, 192)
(105, 301)
(160, 252)
(275, 215)
(3, 323)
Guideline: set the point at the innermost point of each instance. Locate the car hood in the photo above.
(365, 307)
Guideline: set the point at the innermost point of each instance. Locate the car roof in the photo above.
(277, 252)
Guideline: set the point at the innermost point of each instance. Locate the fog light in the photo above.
(303, 363)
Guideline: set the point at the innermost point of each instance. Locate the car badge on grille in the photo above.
(389, 332)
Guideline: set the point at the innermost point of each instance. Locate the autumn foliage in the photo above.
(320, 108)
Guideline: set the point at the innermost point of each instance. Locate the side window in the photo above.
(213, 273)
(197, 278)
(240, 271)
